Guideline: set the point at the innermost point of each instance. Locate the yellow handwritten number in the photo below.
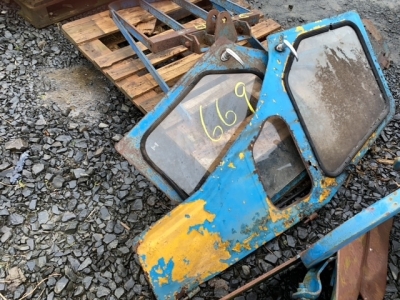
(205, 128)
(226, 115)
(243, 94)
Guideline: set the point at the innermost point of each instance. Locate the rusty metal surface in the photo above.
(269, 274)
(378, 42)
(362, 243)
(196, 37)
(362, 265)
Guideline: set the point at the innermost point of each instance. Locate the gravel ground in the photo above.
(67, 227)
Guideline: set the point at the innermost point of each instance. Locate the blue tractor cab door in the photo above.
(242, 128)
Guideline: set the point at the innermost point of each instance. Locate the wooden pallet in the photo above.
(98, 38)
(41, 13)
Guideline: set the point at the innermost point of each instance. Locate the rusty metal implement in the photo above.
(198, 37)
(233, 134)
(362, 265)
(228, 19)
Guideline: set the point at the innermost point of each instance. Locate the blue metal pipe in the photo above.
(163, 85)
(230, 6)
(352, 229)
(161, 16)
(194, 9)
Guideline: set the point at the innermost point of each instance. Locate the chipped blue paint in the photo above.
(243, 217)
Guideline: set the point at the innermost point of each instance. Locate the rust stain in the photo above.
(174, 239)
(370, 140)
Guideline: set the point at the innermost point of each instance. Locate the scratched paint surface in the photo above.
(232, 215)
(162, 251)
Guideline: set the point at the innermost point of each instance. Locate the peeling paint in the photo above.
(185, 246)
(162, 280)
(241, 155)
(231, 165)
(237, 247)
(300, 29)
(328, 182)
(324, 195)
(277, 214)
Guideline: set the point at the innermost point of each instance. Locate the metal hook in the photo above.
(281, 47)
(289, 45)
(230, 53)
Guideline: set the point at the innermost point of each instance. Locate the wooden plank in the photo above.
(131, 66)
(94, 28)
(148, 102)
(84, 20)
(150, 99)
(91, 30)
(94, 49)
(147, 82)
(116, 56)
(264, 28)
(127, 52)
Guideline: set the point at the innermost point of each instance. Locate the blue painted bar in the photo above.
(124, 30)
(194, 9)
(230, 6)
(352, 229)
(161, 16)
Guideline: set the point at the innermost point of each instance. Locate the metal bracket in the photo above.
(311, 286)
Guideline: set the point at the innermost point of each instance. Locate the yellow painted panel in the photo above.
(172, 240)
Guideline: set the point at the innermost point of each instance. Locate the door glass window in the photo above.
(336, 95)
(190, 141)
(277, 160)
